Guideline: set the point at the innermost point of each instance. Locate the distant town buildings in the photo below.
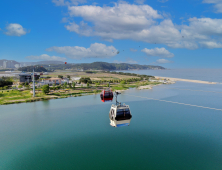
(17, 66)
(56, 81)
(27, 77)
(8, 64)
(76, 78)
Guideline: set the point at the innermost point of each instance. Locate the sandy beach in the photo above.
(187, 80)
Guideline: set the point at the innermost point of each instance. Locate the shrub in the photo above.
(85, 80)
(73, 84)
(5, 81)
(65, 85)
(97, 84)
(60, 76)
(122, 82)
(20, 86)
(45, 89)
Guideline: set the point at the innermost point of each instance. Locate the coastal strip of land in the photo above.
(186, 80)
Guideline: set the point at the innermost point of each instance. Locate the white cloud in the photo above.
(67, 3)
(96, 50)
(217, 4)
(15, 30)
(143, 23)
(128, 60)
(139, 1)
(64, 20)
(159, 52)
(211, 44)
(82, 28)
(117, 22)
(46, 57)
(133, 50)
(163, 61)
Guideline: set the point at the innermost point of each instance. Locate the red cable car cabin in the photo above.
(106, 95)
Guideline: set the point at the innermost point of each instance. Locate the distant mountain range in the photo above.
(59, 65)
(101, 66)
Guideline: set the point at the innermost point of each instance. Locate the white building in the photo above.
(76, 78)
(17, 66)
(52, 81)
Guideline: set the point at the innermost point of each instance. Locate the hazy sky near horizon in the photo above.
(170, 33)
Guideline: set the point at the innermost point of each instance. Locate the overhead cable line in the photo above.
(195, 90)
(176, 102)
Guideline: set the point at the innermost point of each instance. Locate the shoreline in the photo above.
(186, 80)
(74, 93)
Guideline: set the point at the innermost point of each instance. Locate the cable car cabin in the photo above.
(120, 115)
(106, 95)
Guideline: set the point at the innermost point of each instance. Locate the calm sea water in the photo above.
(74, 133)
(213, 75)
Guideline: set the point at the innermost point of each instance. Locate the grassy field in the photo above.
(93, 76)
(21, 96)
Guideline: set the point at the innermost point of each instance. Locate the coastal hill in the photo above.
(59, 65)
(100, 66)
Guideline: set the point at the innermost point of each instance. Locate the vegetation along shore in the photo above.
(79, 83)
(89, 82)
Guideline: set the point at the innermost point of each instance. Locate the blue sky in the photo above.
(170, 33)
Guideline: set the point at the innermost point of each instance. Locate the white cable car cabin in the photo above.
(120, 115)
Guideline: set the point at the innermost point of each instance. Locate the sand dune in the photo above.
(187, 80)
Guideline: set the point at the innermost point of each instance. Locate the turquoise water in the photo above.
(74, 133)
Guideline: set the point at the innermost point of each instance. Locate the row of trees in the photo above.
(46, 88)
(30, 69)
(61, 76)
(143, 76)
(5, 81)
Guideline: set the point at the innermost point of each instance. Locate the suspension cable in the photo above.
(176, 102)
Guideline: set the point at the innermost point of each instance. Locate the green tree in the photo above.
(27, 86)
(87, 84)
(45, 89)
(85, 80)
(20, 86)
(70, 86)
(73, 85)
(60, 76)
(65, 85)
(68, 76)
(97, 84)
(123, 82)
